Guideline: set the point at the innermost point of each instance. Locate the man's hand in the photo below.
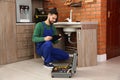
(48, 38)
(60, 38)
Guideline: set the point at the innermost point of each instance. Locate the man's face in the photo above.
(52, 18)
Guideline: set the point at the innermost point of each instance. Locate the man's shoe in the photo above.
(49, 65)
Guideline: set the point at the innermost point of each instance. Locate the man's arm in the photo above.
(37, 34)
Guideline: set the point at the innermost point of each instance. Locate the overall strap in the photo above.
(45, 27)
(43, 23)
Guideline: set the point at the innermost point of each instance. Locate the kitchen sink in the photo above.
(66, 23)
(68, 26)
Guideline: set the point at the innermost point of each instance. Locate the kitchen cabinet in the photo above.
(87, 45)
(7, 32)
(24, 41)
(15, 44)
(86, 40)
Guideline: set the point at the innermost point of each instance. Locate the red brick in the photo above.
(88, 12)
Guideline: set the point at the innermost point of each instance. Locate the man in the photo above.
(42, 36)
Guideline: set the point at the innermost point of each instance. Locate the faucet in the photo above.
(71, 15)
(70, 19)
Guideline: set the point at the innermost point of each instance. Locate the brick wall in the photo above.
(95, 11)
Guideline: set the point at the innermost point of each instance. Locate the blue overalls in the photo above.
(47, 50)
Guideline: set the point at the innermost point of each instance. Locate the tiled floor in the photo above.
(34, 70)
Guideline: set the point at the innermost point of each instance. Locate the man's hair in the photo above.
(53, 11)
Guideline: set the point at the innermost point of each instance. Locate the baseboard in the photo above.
(101, 58)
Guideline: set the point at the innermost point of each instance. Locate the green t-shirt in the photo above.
(39, 30)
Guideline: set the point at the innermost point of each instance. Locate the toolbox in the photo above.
(66, 71)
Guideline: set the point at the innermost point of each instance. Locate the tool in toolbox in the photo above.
(66, 71)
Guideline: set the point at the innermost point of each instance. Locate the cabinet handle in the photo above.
(79, 35)
(109, 14)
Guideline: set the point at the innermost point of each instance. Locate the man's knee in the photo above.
(48, 44)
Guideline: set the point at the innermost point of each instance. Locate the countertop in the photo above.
(73, 24)
(64, 24)
(25, 23)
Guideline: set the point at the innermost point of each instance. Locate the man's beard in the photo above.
(50, 22)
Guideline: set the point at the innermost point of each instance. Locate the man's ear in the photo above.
(49, 15)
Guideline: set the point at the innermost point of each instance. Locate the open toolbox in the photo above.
(66, 71)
